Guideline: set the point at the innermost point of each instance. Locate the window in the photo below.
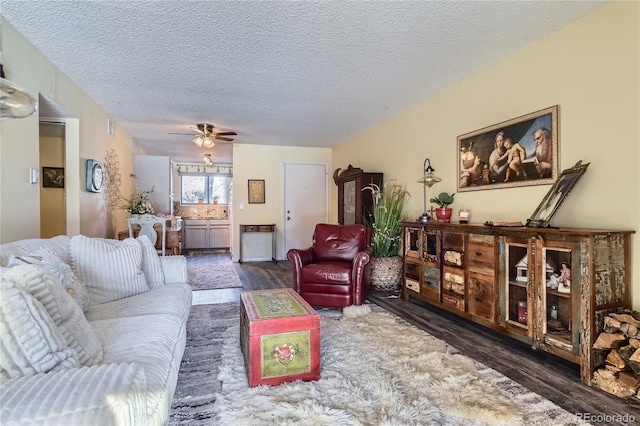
(195, 187)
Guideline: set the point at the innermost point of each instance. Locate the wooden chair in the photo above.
(147, 224)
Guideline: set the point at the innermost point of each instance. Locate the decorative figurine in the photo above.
(564, 281)
(553, 282)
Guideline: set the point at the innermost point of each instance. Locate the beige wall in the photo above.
(266, 162)
(591, 70)
(86, 138)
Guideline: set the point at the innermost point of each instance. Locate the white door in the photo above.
(305, 202)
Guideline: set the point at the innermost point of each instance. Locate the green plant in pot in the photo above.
(443, 213)
(385, 267)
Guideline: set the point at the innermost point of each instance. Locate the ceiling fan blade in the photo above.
(223, 139)
(227, 134)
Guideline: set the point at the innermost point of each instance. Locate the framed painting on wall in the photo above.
(53, 177)
(256, 191)
(519, 152)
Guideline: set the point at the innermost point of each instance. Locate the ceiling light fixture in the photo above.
(204, 141)
(207, 159)
(15, 102)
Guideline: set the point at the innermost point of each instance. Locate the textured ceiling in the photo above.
(277, 73)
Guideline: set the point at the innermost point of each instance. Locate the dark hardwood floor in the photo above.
(549, 376)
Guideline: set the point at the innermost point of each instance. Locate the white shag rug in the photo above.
(378, 370)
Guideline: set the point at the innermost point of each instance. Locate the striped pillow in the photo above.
(111, 269)
(151, 265)
(66, 315)
(30, 343)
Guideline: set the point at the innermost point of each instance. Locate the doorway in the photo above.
(53, 212)
(305, 202)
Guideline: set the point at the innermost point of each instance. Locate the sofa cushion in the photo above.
(327, 272)
(151, 265)
(110, 269)
(30, 343)
(66, 315)
(58, 245)
(157, 343)
(108, 394)
(171, 299)
(50, 261)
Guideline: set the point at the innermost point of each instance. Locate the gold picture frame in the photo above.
(256, 191)
(485, 162)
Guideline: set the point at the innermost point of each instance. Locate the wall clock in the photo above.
(95, 176)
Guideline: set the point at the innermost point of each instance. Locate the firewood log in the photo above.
(611, 325)
(609, 341)
(608, 382)
(634, 362)
(615, 360)
(630, 380)
(626, 318)
(634, 343)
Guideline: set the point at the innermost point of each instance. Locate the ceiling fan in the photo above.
(206, 135)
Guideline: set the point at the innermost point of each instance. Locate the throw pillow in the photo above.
(53, 263)
(66, 315)
(110, 269)
(151, 265)
(30, 343)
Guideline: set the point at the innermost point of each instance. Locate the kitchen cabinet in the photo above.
(206, 233)
(550, 288)
(354, 204)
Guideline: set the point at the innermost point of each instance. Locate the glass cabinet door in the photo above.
(518, 313)
(349, 202)
(556, 270)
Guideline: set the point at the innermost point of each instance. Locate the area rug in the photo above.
(378, 370)
(211, 276)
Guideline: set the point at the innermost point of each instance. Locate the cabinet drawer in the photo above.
(481, 292)
(453, 280)
(480, 254)
(412, 270)
(453, 301)
(412, 285)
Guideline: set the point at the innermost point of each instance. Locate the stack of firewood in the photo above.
(619, 344)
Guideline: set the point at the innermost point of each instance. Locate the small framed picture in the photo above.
(256, 191)
(53, 177)
(556, 195)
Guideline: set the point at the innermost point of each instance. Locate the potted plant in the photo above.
(443, 213)
(385, 266)
(216, 198)
(138, 202)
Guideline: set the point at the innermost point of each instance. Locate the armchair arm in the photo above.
(358, 276)
(298, 259)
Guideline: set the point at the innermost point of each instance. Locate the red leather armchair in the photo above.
(331, 273)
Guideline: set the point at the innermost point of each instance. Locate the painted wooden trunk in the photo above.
(279, 337)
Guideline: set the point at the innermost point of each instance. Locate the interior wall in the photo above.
(52, 200)
(19, 147)
(590, 69)
(265, 162)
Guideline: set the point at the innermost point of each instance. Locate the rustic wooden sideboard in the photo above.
(550, 288)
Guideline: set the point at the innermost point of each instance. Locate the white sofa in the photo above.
(118, 336)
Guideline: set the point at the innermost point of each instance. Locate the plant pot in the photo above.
(385, 273)
(444, 214)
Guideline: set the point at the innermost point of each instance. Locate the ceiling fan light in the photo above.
(199, 141)
(208, 142)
